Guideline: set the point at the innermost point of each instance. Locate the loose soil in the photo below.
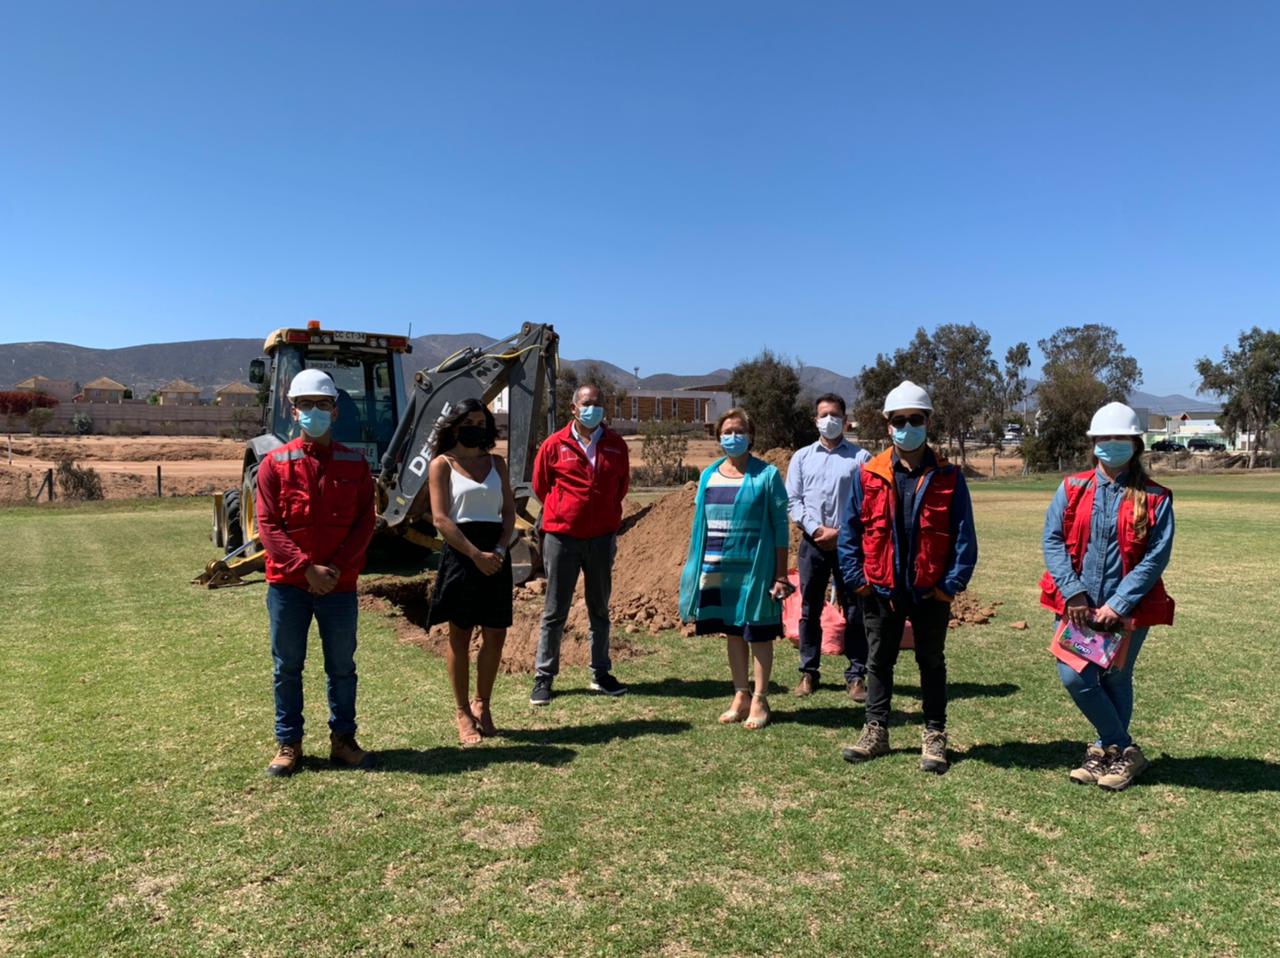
(652, 545)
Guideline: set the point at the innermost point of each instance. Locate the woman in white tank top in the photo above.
(474, 511)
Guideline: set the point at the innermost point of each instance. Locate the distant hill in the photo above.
(209, 363)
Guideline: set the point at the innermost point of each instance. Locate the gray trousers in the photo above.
(564, 557)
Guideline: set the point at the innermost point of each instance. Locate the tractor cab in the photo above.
(364, 366)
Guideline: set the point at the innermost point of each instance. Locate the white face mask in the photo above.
(830, 427)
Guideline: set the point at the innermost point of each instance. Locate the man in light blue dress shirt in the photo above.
(817, 482)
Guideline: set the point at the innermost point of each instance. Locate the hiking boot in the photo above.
(874, 741)
(1124, 770)
(606, 683)
(807, 686)
(933, 752)
(288, 758)
(541, 694)
(857, 690)
(1094, 765)
(344, 751)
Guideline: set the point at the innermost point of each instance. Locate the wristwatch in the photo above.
(500, 551)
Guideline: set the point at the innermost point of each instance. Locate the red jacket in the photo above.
(314, 507)
(1156, 607)
(880, 501)
(578, 500)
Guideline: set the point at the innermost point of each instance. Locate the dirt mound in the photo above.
(407, 602)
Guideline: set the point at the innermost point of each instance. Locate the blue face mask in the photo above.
(590, 416)
(315, 422)
(734, 443)
(1113, 452)
(910, 438)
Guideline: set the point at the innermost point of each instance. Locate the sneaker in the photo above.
(1124, 770)
(807, 686)
(606, 683)
(288, 758)
(344, 751)
(857, 690)
(1094, 765)
(874, 741)
(933, 752)
(541, 694)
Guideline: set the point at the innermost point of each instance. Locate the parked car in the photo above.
(1167, 445)
(1206, 445)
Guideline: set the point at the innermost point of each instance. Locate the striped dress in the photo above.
(723, 577)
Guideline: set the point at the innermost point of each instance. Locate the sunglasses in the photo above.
(897, 422)
(306, 405)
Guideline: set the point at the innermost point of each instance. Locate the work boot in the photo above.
(807, 686)
(288, 758)
(344, 751)
(933, 752)
(857, 690)
(1124, 770)
(873, 742)
(1094, 765)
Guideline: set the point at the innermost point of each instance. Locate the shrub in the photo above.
(664, 446)
(77, 483)
(38, 418)
(82, 424)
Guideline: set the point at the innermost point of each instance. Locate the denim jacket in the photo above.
(1101, 578)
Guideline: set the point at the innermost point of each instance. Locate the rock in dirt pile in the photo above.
(652, 545)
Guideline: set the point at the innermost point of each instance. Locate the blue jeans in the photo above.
(1106, 696)
(817, 569)
(290, 611)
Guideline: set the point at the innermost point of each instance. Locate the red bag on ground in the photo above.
(832, 621)
(832, 618)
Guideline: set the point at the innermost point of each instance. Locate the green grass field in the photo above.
(135, 818)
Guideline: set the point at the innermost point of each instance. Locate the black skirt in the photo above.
(466, 596)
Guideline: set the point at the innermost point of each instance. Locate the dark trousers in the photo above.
(817, 570)
(564, 557)
(885, 621)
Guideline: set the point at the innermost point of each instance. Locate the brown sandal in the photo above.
(468, 731)
(484, 718)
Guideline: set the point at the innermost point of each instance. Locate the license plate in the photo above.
(340, 337)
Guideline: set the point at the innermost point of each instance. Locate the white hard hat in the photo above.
(907, 395)
(1115, 419)
(312, 382)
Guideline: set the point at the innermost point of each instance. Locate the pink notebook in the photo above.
(1099, 648)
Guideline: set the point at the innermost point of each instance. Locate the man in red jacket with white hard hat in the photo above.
(581, 474)
(315, 514)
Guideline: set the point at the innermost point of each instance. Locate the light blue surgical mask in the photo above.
(315, 422)
(734, 443)
(1113, 452)
(590, 416)
(910, 438)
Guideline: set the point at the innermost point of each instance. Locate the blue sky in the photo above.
(674, 185)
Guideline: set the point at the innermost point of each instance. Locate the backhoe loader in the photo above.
(394, 428)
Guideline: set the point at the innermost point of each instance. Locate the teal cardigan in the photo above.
(764, 493)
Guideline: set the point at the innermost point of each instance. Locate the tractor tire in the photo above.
(233, 539)
(247, 521)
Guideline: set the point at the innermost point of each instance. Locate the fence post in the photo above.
(48, 477)
(159, 486)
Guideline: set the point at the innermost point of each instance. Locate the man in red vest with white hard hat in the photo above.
(315, 514)
(907, 546)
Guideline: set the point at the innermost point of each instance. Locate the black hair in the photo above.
(447, 427)
(830, 397)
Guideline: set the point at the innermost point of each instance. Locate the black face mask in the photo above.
(472, 436)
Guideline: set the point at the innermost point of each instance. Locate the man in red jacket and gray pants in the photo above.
(315, 514)
(581, 474)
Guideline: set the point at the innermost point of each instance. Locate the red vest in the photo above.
(318, 507)
(880, 502)
(1156, 607)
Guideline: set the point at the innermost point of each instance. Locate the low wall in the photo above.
(138, 417)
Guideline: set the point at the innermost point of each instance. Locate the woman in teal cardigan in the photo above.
(735, 575)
